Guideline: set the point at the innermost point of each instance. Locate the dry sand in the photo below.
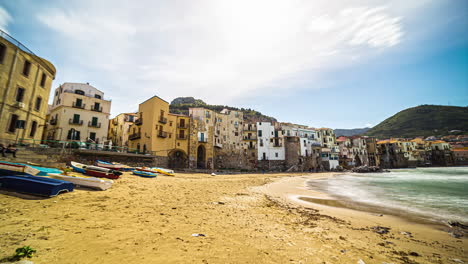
(142, 220)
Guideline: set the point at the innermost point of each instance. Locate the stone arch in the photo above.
(178, 159)
(201, 157)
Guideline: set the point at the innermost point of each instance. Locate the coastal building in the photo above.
(442, 154)
(201, 145)
(250, 139)
(160, 133)
(270, 146)
(330, 150)
(308, 146)
(119, 128)
(25, 83)
(372, 151)
(79, 112)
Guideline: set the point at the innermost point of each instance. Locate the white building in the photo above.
(270, 142)
(330, 149)
(308, 137)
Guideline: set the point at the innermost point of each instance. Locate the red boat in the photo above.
(102, 174)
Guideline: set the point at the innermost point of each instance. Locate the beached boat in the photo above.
(145, 174)
(78, 167)
(85, 181)
(43, 171)
(10, 168)
(166, 172)
(103, 174)
(113, 165)
(35, 185)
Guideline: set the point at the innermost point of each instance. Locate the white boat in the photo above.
(82, 167)
(91, 182)
(18, 168)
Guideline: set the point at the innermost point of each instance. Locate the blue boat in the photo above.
(145, 174)
(77, 168)
(45, 171)
(35, 185)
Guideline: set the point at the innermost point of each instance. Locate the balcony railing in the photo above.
(53, 122)
(134, 136)
(139, 121)
(250, 129)
(96, 125)
(71, 121)
(279, 145)
(96, 109)
(250, 138)
(179, 136)
(202, 139)
(162, 134)
(80, 106)
(184, 125)
(162, 120)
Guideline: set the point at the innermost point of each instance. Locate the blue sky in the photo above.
(325, 64)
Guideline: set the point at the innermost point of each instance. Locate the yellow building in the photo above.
(160, 133)
(25, 82)
(119, 128)
(79, 112)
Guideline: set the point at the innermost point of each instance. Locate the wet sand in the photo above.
(248, 218)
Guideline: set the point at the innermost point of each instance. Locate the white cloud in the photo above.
(219, 51)
(5, 19)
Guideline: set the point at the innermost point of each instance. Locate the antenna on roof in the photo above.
(87, 83)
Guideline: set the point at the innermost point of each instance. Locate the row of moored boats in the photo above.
(37, 180)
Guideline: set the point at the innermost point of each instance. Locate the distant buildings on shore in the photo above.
(203, 139)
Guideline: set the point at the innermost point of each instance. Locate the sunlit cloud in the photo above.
(5, 19)
(220, 51)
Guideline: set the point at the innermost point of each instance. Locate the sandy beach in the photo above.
(247, 218)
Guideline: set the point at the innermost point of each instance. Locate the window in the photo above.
(261, 142)
(12, 125)
(259, 133)
(33, 129)
(43, 79)
(92, 136)
(276, 154)
(20, 94)
(80, 92)
(73, 134)
(78, 102)
(2, 52)
(97, 96)
(264, 155)
(37, 107)
(94, 121)
(76, 118)
(26, 68)
(97, 106)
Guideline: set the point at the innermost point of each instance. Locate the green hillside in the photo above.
(181, 105)
(423, 120)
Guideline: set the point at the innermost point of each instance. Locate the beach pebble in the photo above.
(457, 260)
(198, 235)
(360, 261)
(408, 234)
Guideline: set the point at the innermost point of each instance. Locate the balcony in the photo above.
(75, 122)
(79, 106)
(19, 104)
(53, 122)
(250, 129)
(180, 136)
(139, 121)
(250, 138)
(96, 125)
(204, 140)
(162, 120)
(279, 145)
(184, 125)
(162, 134)
(134, 136)
(96, 109)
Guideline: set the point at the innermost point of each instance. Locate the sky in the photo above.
(338, 64)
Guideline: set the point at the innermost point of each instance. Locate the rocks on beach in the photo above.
(365, 169)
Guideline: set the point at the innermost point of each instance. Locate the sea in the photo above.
(436, 194)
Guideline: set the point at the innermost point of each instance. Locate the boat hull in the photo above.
(145, 174)
(156, 170)
(10, 168)
(35, 185)
(101, 174)
(90, 182)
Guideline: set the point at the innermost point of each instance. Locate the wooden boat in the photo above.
(10, 168)
(43, 171)
(35, 185)
(166, 172)
(80, 180)
(96, 171)
(145, 174)
(102, 174)
(113, 165)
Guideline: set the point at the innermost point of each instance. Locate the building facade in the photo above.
(119, 128)
(25, 83)
(79, 112)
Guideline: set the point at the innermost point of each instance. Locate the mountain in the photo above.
(350, 132)
(423, 120)
(181, 105)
